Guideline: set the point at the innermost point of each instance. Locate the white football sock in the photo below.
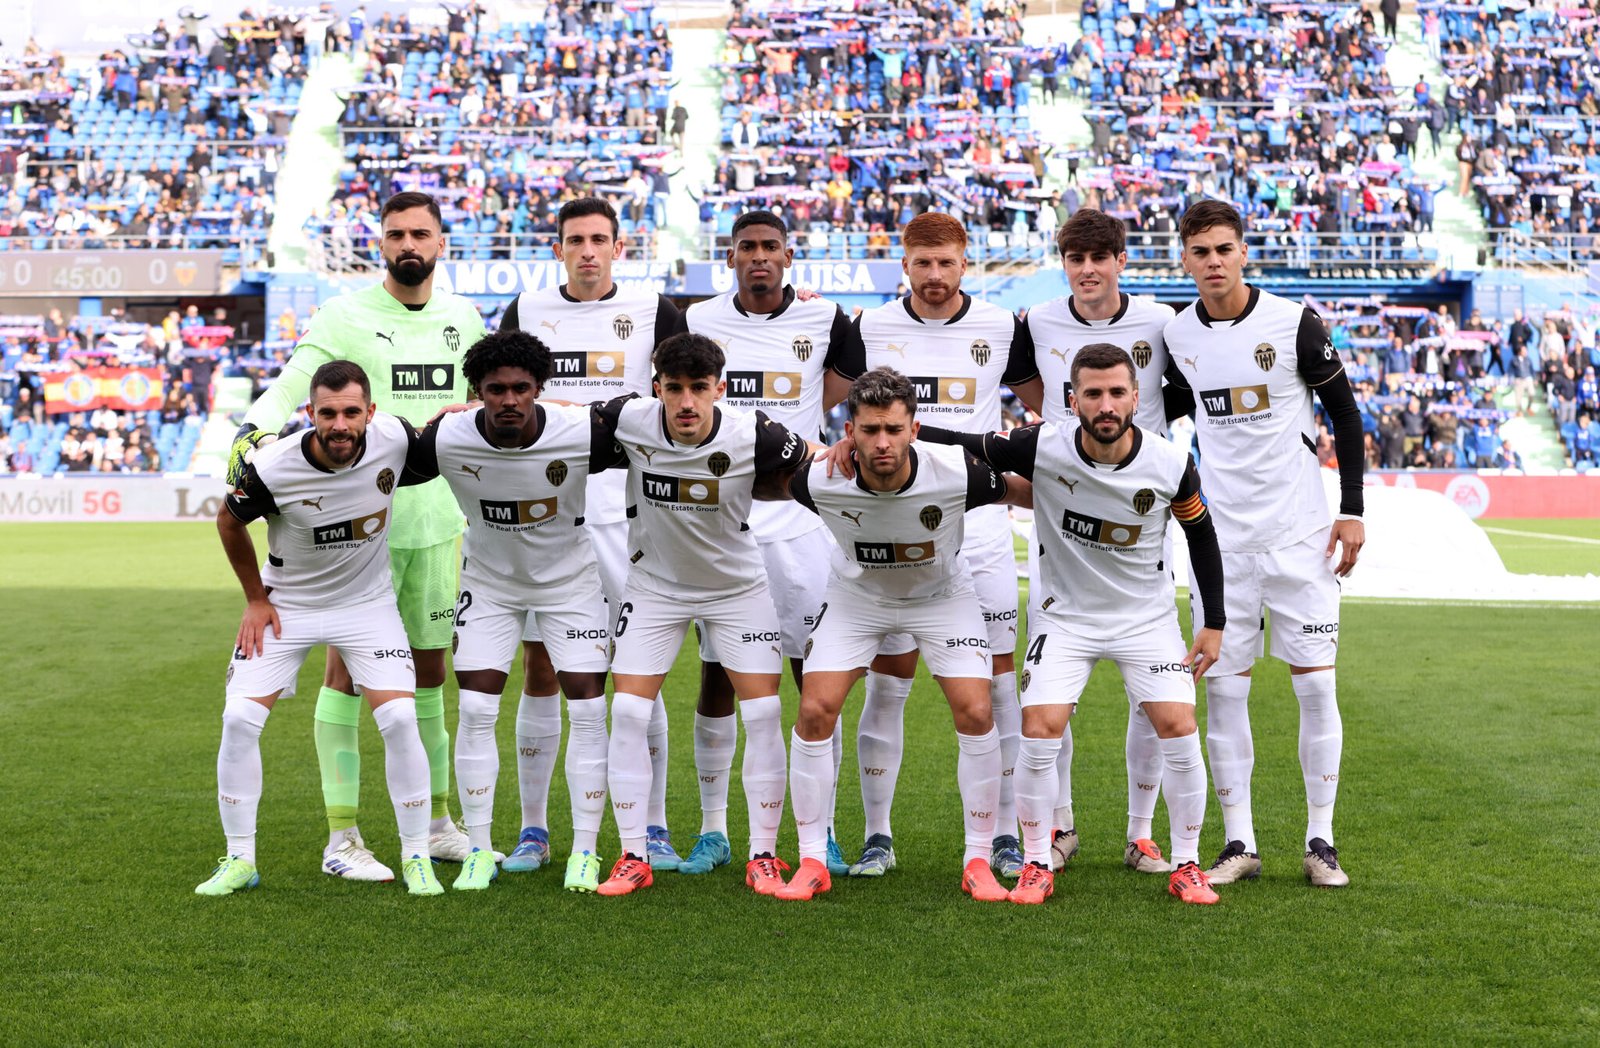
(628, 768)
(765, 771)
(478, 762)
(1321, 745)
(1183, 781)
(1143, 751)
(538, 745)
(657, 743)
(1008, 725)
(978, 776)
(1063, 813)
(586, 770)
(405, 767)
(880, 744)
(838, 761)
(716, 739)
(239, 774)
(1036, 795)
(1232, 753)
(810, 783)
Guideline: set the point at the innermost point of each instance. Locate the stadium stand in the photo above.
(503, 124)
(171, 142)
(1525, 92)
(850, 122)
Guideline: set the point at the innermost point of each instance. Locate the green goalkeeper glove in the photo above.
(245, 443)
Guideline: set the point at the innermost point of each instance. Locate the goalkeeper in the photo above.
(409, 341)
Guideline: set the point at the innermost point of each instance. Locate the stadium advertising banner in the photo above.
(121, 388)
(74, 273)
(1491, 494)
(698, 278)
(109, 496)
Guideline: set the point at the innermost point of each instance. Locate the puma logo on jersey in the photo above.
(315, 503)
(648, 453)
(389, 338)
(1058, 353)
(854, 518)
(1192, 362)
(1072, 485)
(551, 324)
(897, 347)
(474, 470)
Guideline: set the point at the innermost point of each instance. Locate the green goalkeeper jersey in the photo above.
(413, 359)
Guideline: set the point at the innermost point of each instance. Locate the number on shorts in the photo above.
(1036, 650)
(818, 620)
(622, 617)
(462, 606)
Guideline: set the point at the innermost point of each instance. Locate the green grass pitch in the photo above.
(1466, 819)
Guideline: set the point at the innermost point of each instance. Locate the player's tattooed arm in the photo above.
(233, 527)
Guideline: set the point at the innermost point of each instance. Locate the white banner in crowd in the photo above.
(110, 496)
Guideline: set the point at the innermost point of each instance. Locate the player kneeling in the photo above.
(693, 469)
(1106, 492)
(519, 469)
(327, 495)
(899, 524)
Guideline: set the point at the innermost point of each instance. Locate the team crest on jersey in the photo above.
(1266, 356)
(980, 352)
(1026, 679)
(1143, 501)
(719, 464)
(802, 349)
(1142, 353)
(931, 516)
(622, 324)
(386, 481)
(452, 338)
(556, 473)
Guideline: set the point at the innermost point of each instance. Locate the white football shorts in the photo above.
(1055, 668)
(797, 573)
(575, 630)
(649, 628)
(992, 562)
(851, 628)
(370, 637)
(1297, 586)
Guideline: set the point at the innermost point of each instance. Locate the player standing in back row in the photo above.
(957, 351)
(600, 337)
(408, 340)
(1093, 250)
(1253, 361)
(793, 360)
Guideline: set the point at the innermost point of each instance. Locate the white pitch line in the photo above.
(1541, 535)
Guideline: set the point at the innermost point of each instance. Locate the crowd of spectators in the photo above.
(1289, 112)
(850, 121)
(505, 122)
(188, 349)
(173, 140)
(1525, 92)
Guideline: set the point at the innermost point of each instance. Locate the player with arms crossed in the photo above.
(600, 336)
(328, 495)
(1253, 361)
(518, 469)
(793, 360)
(1103, 492)
(957, 351)
(898, 523)
(693, 469)
(409, 341)
(1093, 250)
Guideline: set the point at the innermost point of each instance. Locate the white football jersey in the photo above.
(901, 547)
(1252, 379)
(327, 530)
(775, 363)
(526, 544)
(1101, 527)
(689, 505)
(598, 351)
(957, 367)
(1057, 332)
